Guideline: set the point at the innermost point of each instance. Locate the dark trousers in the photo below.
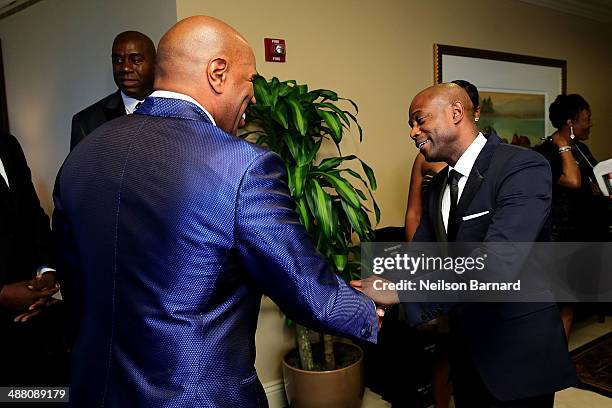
(470, 392)
(34, 353)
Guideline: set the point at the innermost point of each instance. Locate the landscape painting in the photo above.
(518, 118)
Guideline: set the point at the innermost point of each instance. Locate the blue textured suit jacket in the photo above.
(519, 349)
(170, 230)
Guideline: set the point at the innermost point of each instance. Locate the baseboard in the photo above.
(275, 392)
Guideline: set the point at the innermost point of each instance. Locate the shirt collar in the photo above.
(468, 158)
(177, 95)
(129, 103)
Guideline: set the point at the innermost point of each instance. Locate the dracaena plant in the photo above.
(332, 199)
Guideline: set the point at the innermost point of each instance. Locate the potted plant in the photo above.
(330, 197)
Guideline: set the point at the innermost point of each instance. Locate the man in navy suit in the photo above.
(133, 59)
(170, 229)
(504, 354)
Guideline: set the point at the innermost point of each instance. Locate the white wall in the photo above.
(57, 62)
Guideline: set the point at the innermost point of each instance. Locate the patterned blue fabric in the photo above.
(169, 232)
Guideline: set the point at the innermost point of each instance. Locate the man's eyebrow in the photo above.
(415, 113)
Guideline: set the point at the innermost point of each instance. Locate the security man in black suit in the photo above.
(133, 58)
(30, 329)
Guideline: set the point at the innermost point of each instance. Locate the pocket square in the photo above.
(472, 216)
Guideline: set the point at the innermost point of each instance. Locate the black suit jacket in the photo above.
(519, 349)
(25, 241)
(87, 120)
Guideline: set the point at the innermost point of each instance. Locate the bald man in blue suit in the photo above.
(170, 233)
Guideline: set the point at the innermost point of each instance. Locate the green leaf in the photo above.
(304, 214)
(281, 115)
(262, 94)
(302, 89)
(292, 146)
(352, 103)
(298, 116)
(334, 124)
(320, 204)
(327, 94)
(284, 89)
(340, 261)
(336, 109)
(376, 208)
(300, 179)
(310, 151)
(344, 189)
(290, 179)
(358, 125)
(369, 174)
(333, 162)
(353, 217)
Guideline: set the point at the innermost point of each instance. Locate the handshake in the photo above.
(383, 298)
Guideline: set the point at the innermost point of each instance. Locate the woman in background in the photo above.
(579, 211)
(422, 173)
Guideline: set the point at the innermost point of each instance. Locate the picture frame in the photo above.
(521, 86)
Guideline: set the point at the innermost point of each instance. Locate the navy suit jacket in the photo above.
(519, 349)
(169, 235)
(90, 118)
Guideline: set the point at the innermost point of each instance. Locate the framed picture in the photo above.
(515, 90)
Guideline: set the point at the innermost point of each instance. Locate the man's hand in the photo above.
(380, 314)
(35, 309)
(381, 295)
(44, 281)
(19, 297)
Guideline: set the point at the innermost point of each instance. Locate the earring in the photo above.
(476, 119)
(572, 132)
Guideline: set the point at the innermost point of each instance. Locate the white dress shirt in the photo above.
(3, 173)
(129, 103)
(177, 95)
(464, 167)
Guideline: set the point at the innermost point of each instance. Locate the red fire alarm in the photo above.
(275, 49)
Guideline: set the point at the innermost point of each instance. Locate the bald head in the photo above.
(210, 61)
(133, 57)
(446, 93)
(442, 122)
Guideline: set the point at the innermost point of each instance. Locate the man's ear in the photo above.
(217, 74)
(458, 111)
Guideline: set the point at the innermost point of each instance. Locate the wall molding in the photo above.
(8, 8)
(275, 392)
(599, 10)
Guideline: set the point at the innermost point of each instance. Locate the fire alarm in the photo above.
(275, 49)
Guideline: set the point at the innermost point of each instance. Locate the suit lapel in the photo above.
(475, 179)
(114, 107)
(435, 204)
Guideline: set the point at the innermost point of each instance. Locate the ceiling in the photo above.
(599, 10)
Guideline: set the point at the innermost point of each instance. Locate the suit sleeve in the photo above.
(67, 260)
(40, 231)
(524, 196)
(280, 258)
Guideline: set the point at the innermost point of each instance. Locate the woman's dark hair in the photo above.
(471, 90)
(566, 107)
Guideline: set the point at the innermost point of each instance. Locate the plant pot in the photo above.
(340, 388)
